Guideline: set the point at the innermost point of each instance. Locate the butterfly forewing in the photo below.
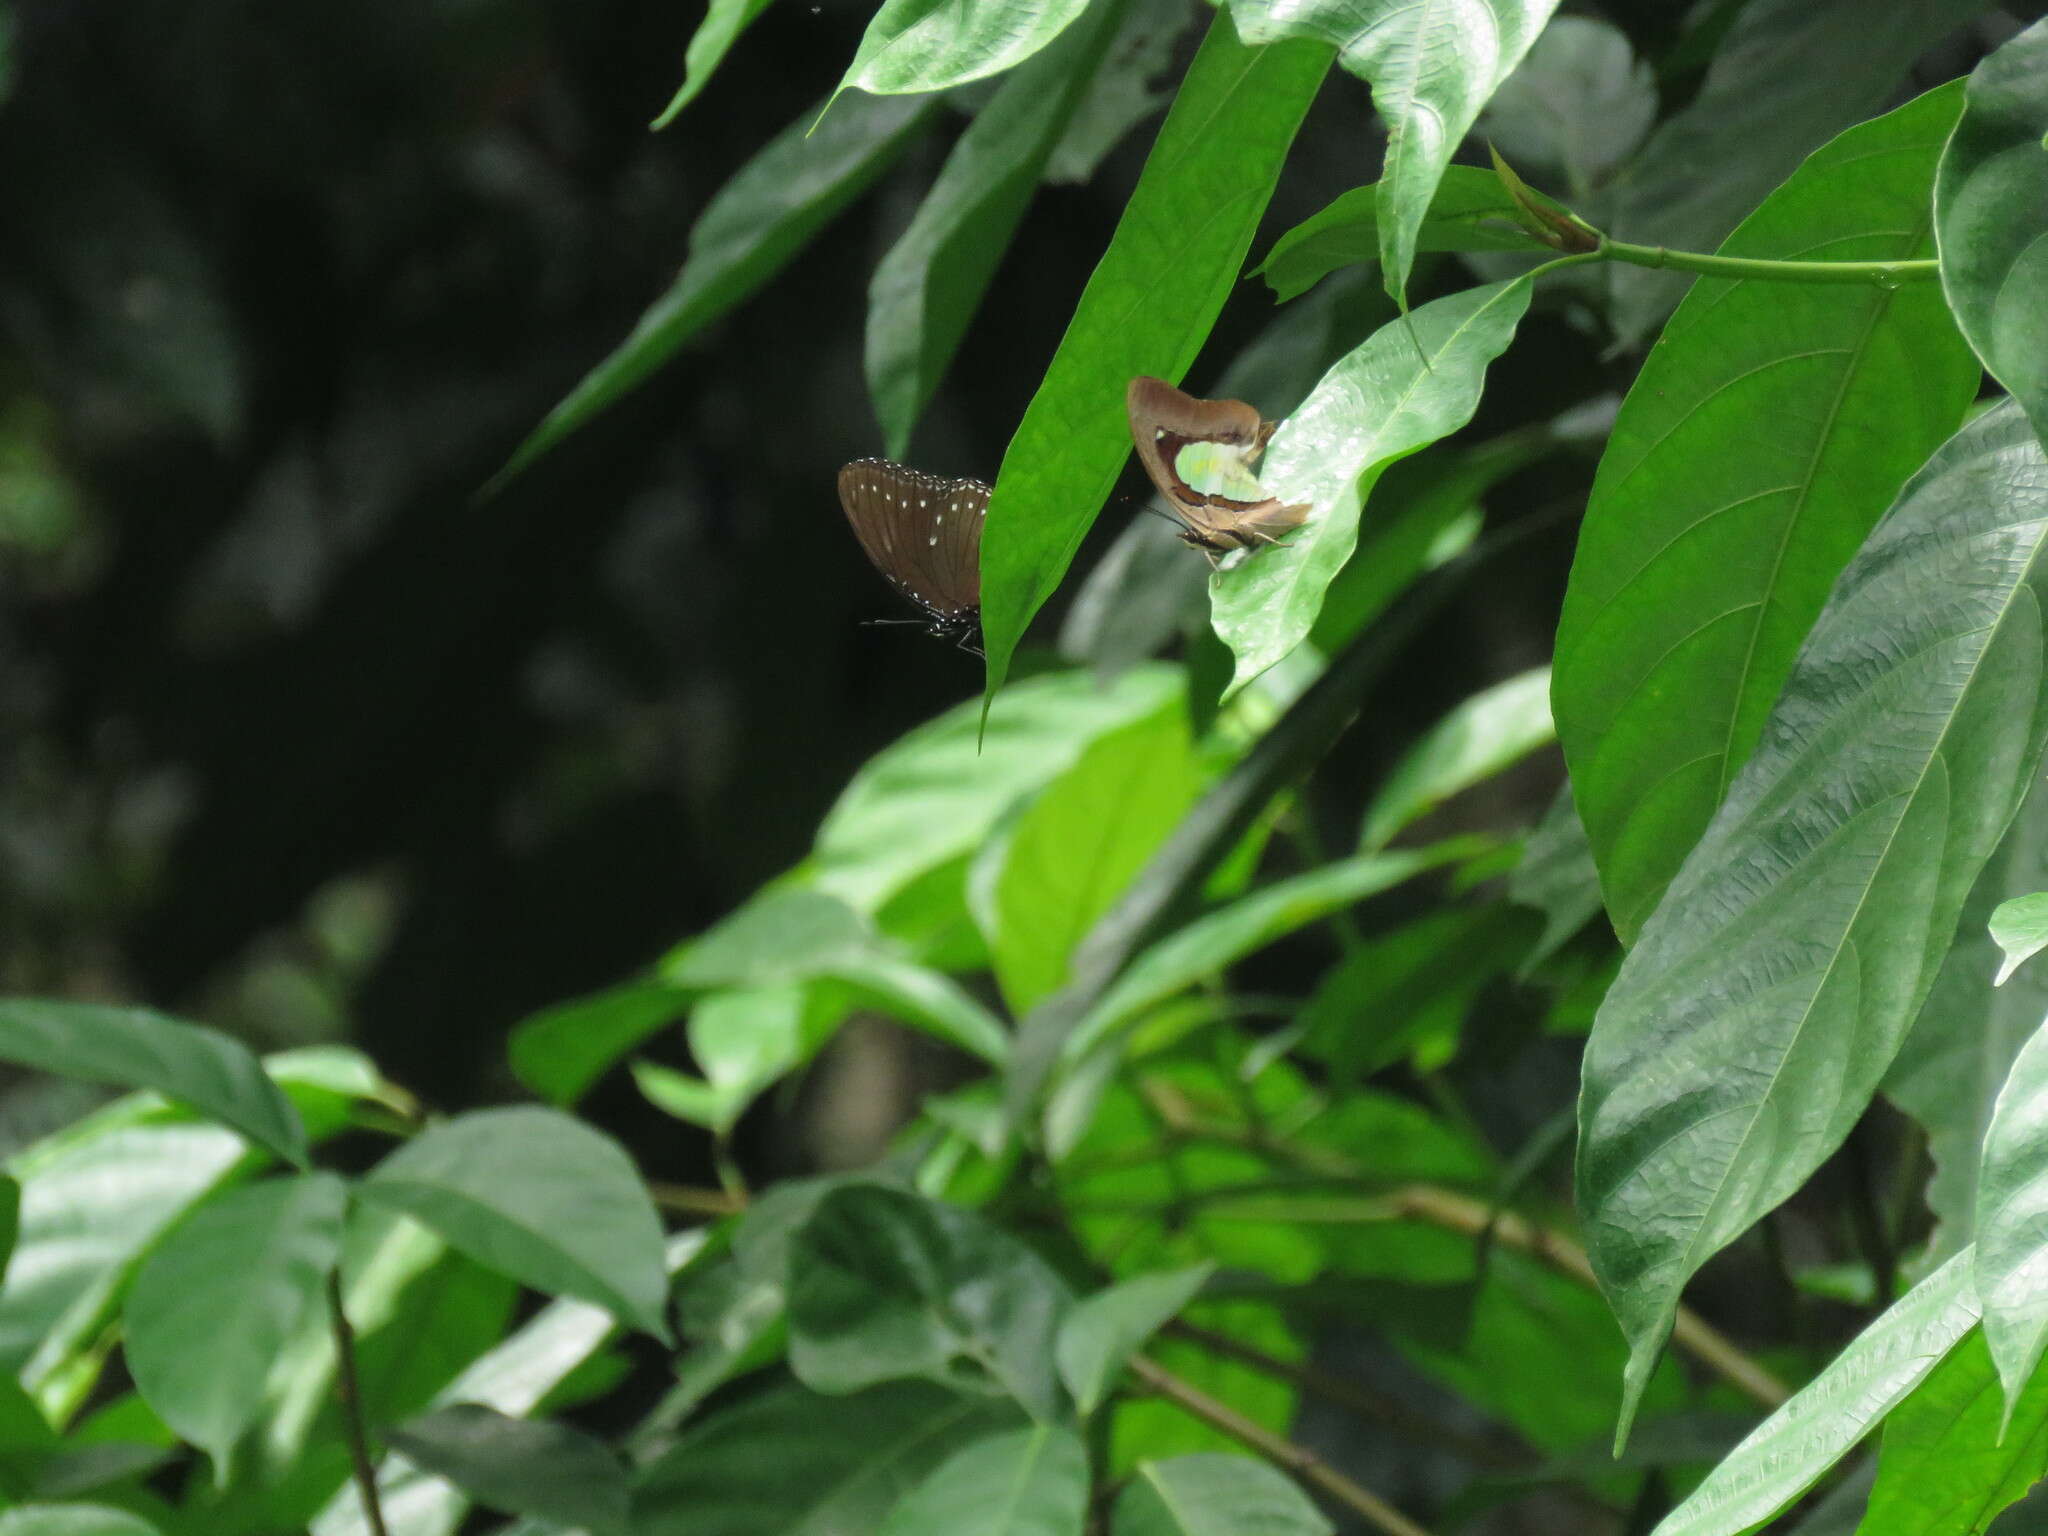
(922, 532)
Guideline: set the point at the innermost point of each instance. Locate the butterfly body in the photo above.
(1199, 453)
(923, 533)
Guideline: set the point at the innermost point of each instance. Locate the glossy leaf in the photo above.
(1771, 989)
(2012, 1219)
(1028, 1482)
(518, 1466)
(1488, 732)
(538, 1196)
(1988, 206)
(135, 1048)
(760, 219)
(885, 1284)
(1950, 1461)
(216, 1301)
(1147, 309)
(562, 1052)
(928, 287)
(1410, 383)
(1579, 103)
(1432, 65)
(1103, 1331)
(1706, 550)
(72, 1520)
(724, 21)
(2019, 927)
(1214, 1496)
(1819, 1424)
(934, 45)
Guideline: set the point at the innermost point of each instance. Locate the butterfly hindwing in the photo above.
(923, 533)
(1199, 454)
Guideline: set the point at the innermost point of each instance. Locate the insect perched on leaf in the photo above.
(1200, 453)
(923, 533)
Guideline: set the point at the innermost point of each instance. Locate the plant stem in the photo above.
(352, 1406)
(1296, 1460)
(688, 1200)
(1885, 274)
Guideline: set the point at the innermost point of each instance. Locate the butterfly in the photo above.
(1199, 453)
(923, 533)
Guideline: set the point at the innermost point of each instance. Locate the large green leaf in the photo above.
(1818, 1425)
(724, 21)
(1771, 989)
(759, 220)
(1991, 212)
(745, 1041)
(1950, 1461)
(934, 45)
(1147, 309)
(2012, 1219)
(1809, 68)
(538, 1196)
(1410, 383)
(1028, 1482)
(1484, 734)
(519, 1466)
(1103, 1331)
(1432, 65)
(1707, 550)
(561, 1052)
(215, 1303)
(135, 1048)
(1214, 1496)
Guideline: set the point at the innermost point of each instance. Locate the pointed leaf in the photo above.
(1488, 732)
(1949, 1461)
(2020, 928)
(1029, 1482)
(1103, 1331)
(2012, 1219)
(1772, 987)
(560, 1053)
(519, 1466)
(724, 21)
(1214, 1496)
(934, 45)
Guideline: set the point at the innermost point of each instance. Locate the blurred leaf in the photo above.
(135, 1048)
(561, 1052)
(928, 287)
(213, 1305)
(1987, 204)
(1432, 64)
(1772, 987)
(72, 1520)
(734, 1321)
(1147, 309)
(538, 1196)
(858, 1456)
(1809, 68)
(328, 1086)
(1579, 103)
(1028, 1482)
(934, 45)
(885, 1284)
(2012, 1218)
(2020, 928)
(770, 210)
(1103, 1331)
(519, 1466)
(724, 21)
(1413, 381)
(1140, 596)
(746, 1041)
(1214, 1496)
(1706, 551)
(690, 1099)
(1490, 731)
(1787, 1453)
(1949, 1460)
(1123, 92)
(1556, 877)
(925, 1000)
(784, 933)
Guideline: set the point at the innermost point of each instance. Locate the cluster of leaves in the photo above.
(1800, 688)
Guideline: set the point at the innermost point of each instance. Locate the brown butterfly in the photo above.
(923, 532)
(1199, 453)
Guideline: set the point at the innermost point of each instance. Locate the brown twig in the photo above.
(351, 1392)
(687, 1200)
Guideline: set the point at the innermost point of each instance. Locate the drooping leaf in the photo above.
(934, 45)
(135, 1048)
(2019, 927)
(1770, 991)
(519, 1466)
(2012, 1220)
(1214, 1496)
(1988, 206)
(538, 1196)
(724, 21)
(1147, 309)
(1410, 383)
(1821, 1423)
(561, 1052)
(1579, 103)
(1027, 1482)
(1486, 733)
(1949, 1462)
(1706, 550)
(759, 220)
(1103, 1331)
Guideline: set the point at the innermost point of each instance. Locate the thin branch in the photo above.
(1882, 274)
(687, 1200)
(1296, 1460)
(352, 1406)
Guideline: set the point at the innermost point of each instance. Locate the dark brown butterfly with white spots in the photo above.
(924, 534)
(1199, 453)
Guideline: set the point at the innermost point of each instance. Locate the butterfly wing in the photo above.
(922, 532)
(1199, 454)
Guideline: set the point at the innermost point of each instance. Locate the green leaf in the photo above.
(1950, 1461)
(1809, 68)
(214, 1304)
(1103, 1331)
(858, 1455)
(1556, 877)
(2012, 1205)
(934, 45)
(1579, 103)
(562, 1052)
(1819, 1424)
(1028, 1482)
(785, 933)
(734, 1322)
(1706, 552)
(1410, 383)
(1073, 851)
(925, 1000)
(2020, 928)
(746, 1041)
(135, 1048)
(928, 287)
(769, 211)
(1432, 65)
(1147, 309)
(689, 1099)
(538, 1196)
(724, 21)
(884, 1284)
(1214, 1496)
(519, 1466)
(1494, 729)
(72, 1520)
(1125, 90)
(1988, 203)
(1769, 992)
